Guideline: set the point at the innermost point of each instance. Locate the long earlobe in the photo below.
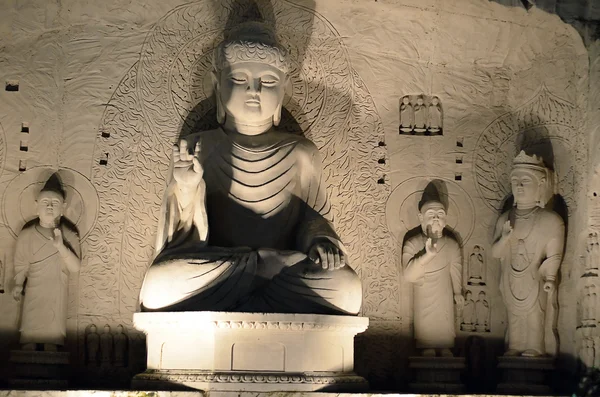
(277, 116)
(220, 110)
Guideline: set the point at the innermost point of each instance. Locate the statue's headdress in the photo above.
(53, 184)
(536, 163)
(251, 41)
(434, 192)
(532, 162)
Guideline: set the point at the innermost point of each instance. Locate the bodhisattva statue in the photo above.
(47, 252)
(529, 241)
(433, 263)
(246, 222)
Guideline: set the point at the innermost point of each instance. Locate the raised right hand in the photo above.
(506, 230)
(16, 292)
(187, 170)
(431, 247)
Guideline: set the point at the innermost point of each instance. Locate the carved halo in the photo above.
(21, 192)
(402, 208)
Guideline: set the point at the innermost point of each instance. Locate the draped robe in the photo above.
(533, 254)
(44, 315)
(241, 242)
(435, 285)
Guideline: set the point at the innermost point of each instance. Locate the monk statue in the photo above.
(529, 240)
(47, 252)
(432, 262)
(246, 224)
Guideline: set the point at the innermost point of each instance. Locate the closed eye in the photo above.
(238, 80)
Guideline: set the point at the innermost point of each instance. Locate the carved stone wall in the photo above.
(101, 90)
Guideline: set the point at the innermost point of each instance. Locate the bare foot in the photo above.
(428, 353)
(512, 353)
(531, 353)
(28, 346)
(446, 353)
(50, 347)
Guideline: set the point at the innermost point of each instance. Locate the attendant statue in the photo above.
(420, 115)
(468, 313)
(476, 266)
(47, 251)
(407, 115)
(433, 264)
(92, 343)
(482, 313)
(121, 345)
(246, 224)
(592, 257)
(106, 347)
(434, 122)
(529, 240)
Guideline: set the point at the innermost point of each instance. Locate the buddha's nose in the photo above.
(254, 86)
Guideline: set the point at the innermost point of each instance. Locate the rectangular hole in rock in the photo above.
(381, 180)
(22, 165)
(23, 147)
(459, 142)
(458, 177)
(459, 159)
(104, 161)
(381, 161)
(12, 85)
(25, 127)
(381, 143)
(105, 134)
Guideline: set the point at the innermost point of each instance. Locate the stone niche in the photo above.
(100, 91)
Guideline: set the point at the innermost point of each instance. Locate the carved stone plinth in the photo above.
(39, 369)
(525, 375)
(249, 351)
(437, 374)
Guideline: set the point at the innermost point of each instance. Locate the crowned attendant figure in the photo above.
(529, 240)
(47, 251)
(246, 223)
(433, 264)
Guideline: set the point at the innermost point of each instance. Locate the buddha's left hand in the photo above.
(327, 255)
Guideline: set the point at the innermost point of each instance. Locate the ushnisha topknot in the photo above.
(248, 42)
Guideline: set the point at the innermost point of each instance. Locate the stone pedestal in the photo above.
(525, 375)
(437, 374)
(39, 369)
(249, 351)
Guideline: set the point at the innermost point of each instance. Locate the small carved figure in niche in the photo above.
(468, 313)
(2, 275)
(272, 246)
(432, 262)
(121, 346)
(529, 240)
(434, 119)
(47, 251)
(596, 361)
(482, 313)
(476, 266)
(106, 347)
(593, 251)
(407, 115)
(420, 115)
(92, 344)
(586, 305)
(589, 352)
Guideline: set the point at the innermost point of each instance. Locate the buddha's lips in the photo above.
(253, 102)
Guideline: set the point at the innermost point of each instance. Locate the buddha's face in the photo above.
(405, 100)
(433, 218)
(435, 101)
(468, 295)
(419, 101)
(525, 186)
(93, 329)
(50, 206)
(251, 92)
(481, 295)
(476, 249)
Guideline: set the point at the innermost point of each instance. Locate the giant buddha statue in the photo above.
(245, 223)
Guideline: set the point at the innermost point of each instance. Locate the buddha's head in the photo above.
(481, 295)
(93, 329)
(468, 295)
(528, 181)
(50, 202)
(250, 73)
(119, 329)
(107, 329)
(435, 101)
(432, 216)
(405, 100)
(476, 249)
(420, 100)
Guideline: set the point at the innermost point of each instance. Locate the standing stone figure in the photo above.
(432, 262)
(407, 115)
(592, 257)
(246, 224)
(121, 344)
(476, 266)
(468, 312)
(482, 313)
(47, 251)
(529, 241)
(92, 344)
(434, 121)
(420, 115)
(106, 347)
